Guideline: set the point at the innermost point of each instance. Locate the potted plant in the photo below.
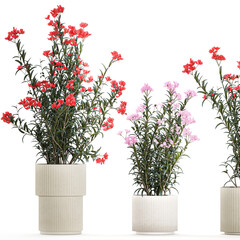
(69, 109)
(159, 138)
(225, 100)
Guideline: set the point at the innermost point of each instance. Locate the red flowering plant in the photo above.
(225, 100)
(159, 138)
(70, 108)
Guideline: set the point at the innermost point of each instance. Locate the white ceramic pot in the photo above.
(60, 189)
(154, 214)
(230, 210)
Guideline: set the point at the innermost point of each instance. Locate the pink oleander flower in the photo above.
(178, 96)
(119, 133)
(194, 138)
(164, 144)
(127, 131)
(171, 86)
(171, 142)
(190, 93)
(186, 132)
(134, 117)
(141, 108)
(145, 88)
(130, 140)
(186, 117)
(175, 106)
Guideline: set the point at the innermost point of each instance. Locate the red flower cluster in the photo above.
(56, 11)
(108, 79)
(70, 84)
(48, 53)
(116, 55)
(7, 117)
(189, 67)
(71, 42)
(118, 87)
(19, 67)
(59, 66)
(230, 76)
(108, 124)
(14, 34)
(90, 79)
(215, 56)
(44, 85)
(70, 100)
(55, 105)
(83, 25)
(122, 109)
(205, 96)
(102, 160)
(72, 31)
(30, 102)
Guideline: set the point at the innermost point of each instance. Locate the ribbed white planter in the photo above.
(60, 189)
(230, 210)
(154, 214)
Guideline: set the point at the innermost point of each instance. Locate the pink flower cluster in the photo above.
(186, 117)
(190, 93)
(141, 108)
(134, 117)
(130, 140)
(146, 88)
(171, 86)
(188, 133)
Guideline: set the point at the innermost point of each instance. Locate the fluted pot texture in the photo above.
(230, 210)
(60, 189)
(154, 214)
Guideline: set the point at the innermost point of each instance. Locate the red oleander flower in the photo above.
(122, 109)
(116, 56)
(102, 160)
(85, 64)
(6, 117)
(47, 53)
(60, 101)
(83, 25)
(108, 124)
(70, 100)
(215, 56)
(100, 76)
(229, 88)
(118, 87)
(90, 79)
(189, 67)
(30, 102)
(238, 64)
(82, 34)
(230, 76)
(14, 34)
(48, 17)
(212, 94)
(54, 105)
(237, 88)
(70, 84)
(90, 89)
(19, 67)
(108, 79)
(57, 10)
(205, 96)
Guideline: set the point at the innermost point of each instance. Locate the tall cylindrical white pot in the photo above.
(154, 214)
(60, 189)
(230, 210)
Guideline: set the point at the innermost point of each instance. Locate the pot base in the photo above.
(61, 233)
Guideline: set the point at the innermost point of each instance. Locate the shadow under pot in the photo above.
(230, 210)
(154, 214)
(60, 189)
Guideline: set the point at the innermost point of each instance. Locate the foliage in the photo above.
(159, 140)
(225, 99)
(70, 108)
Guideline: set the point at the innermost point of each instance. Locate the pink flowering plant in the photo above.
(225, 99)
(70, 108)
(158, 139)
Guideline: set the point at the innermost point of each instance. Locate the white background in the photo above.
(155, 38)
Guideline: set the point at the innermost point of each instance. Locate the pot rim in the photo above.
(75, 164)
(232, 187)
(148, 196)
